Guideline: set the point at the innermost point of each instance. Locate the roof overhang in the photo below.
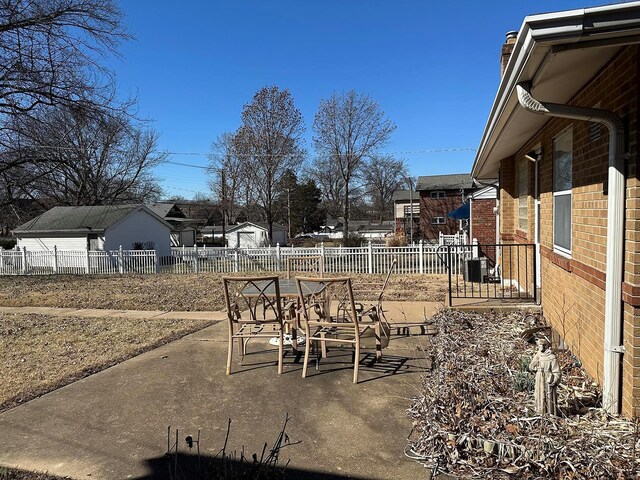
(49, 233)
(558, 53)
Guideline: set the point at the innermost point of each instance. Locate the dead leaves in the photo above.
(472, 420)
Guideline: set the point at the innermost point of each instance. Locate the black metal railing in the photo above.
(491, 271)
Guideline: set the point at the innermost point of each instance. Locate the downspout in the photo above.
(613, 348)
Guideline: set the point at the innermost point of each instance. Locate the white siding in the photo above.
(486, 193)
(76, 242)
(142, 227)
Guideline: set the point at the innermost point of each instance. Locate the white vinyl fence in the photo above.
(418, 259)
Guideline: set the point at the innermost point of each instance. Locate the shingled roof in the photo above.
(445, 182)
(94, 218)
(400, 195)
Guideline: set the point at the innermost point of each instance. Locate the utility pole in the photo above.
(289, 205)
(224, 209)
(410, 210)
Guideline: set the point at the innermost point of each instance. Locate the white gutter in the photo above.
(613, 348)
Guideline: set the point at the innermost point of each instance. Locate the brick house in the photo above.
(439, 195)
(562, 135)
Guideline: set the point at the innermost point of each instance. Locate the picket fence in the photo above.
(414, 259)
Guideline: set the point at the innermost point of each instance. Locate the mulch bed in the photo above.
(476, 414)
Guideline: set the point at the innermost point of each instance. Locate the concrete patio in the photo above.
(113, 425)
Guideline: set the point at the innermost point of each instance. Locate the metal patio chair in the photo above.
(254, 310)
(329, 315)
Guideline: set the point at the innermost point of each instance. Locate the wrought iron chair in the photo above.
(254, 310)
(329, 316)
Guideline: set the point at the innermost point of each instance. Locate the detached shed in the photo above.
(254, 235)
(100, 227)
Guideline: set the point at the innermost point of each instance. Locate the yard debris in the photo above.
(476, 415)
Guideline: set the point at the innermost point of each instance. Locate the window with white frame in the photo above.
(437, 194)
(523, 195)
(562, 185)
(437, 220)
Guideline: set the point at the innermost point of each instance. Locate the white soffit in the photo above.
(564, 75)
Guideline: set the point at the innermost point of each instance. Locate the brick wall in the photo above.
(573, 287)
(483, 220)
(438, 207)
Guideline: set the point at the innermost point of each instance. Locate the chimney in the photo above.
(507, 48)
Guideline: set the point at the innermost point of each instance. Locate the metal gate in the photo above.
(505, 271)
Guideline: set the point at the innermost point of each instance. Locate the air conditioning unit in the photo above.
(475, 270)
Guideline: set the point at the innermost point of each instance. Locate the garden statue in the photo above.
(548, 375)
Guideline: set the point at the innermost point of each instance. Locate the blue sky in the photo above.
(432, 66)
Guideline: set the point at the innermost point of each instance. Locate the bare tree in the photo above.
(326, 173)
(228, 177)
(92, 158)
(270, 142)
(50, 52)
(382, 175)
(348, 128)
(50, 60)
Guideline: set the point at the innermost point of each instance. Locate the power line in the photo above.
(185, 164)
(399, 152)
(402, 152)
(206, 167)
(209, 154)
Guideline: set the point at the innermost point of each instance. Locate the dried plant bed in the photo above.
(41, 353)
(476, 418)
(189, 292)
(15, 474)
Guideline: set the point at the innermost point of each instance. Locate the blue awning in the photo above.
(460, 213)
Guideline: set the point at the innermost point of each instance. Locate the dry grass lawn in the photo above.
(172, 291)
(41, 353)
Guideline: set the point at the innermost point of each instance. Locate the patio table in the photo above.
(289, 291)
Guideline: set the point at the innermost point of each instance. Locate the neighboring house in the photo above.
(375, 233)
(406, 213)
(96, 228)
(439, 195)
(183, 231)
(569, 180)
(255, 234)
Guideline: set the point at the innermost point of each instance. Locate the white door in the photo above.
(246, 240)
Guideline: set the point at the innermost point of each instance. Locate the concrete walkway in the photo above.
(396, 312)
(114, 424)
